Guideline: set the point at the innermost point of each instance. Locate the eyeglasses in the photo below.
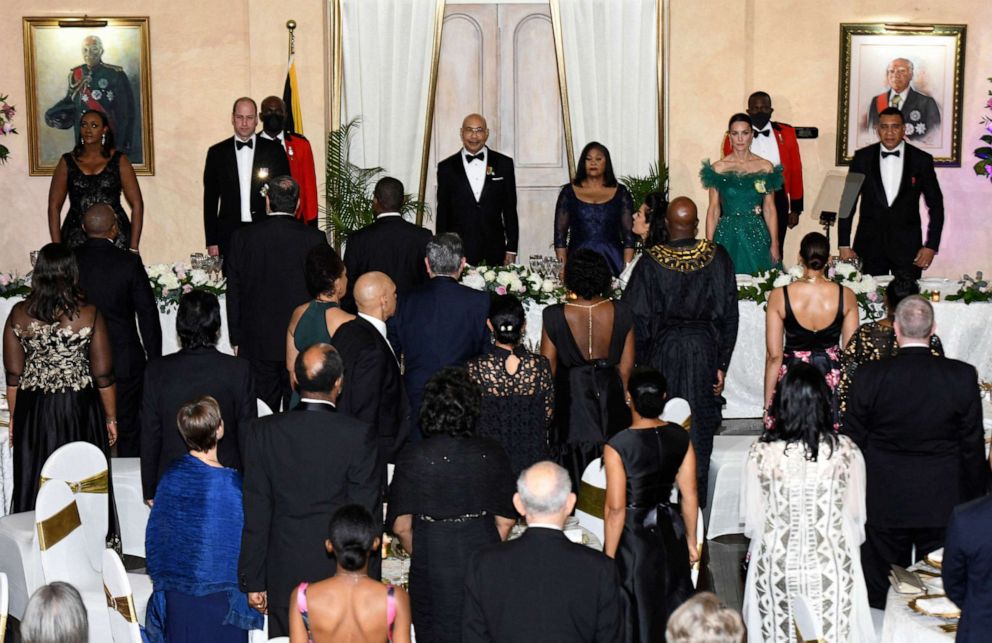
(474, 130)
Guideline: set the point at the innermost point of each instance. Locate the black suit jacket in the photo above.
(893, 232)
(967, 568)
(390, 245)
(488, 227)
(919, 109)
(115, 281)
(541, 587)
(176, 379)
(438, 324)
(918, 420)
(300, 467)
(266, 280)
(222, 189)
(373, 386)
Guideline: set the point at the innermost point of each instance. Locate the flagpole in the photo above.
(291, 26)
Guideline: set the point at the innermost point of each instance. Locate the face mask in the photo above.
(273, 122)
(760, 120)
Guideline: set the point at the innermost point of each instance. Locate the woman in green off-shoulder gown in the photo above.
(741, 216)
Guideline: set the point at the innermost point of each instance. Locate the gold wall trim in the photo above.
(566, 115)
(662, 17)
(337, 64)
(425, 155)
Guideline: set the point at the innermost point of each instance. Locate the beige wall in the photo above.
(722, 50)
(206, 53)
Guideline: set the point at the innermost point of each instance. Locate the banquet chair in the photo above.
(677, 411)
(120, 602)
(700, 543)
(808, 626)
(64, 556)
(263, 408)
(3, 606)
(83, 467)
(592, 498)
(280, 639)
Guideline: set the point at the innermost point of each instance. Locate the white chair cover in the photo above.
(263, 408)
(19, 558)
(280, 639)
(700, 543)
(262, 635)
(808, 624)
(120, 603)
(82, 462)
(677, 411)
(64, 554)
(592, 491)
(3, 606)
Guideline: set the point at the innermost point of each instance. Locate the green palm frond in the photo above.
(656, 180)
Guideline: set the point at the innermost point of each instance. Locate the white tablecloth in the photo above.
(902, 624)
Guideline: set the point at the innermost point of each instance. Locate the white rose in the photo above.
(844, 269)
(489, 275)
(796, 272)
(199, 277)
(760, 278)
(169, 280)
(158, 269)
(869, 283)
(534, 279)
(474, 280)
(547, 286)
(782, 280)
(506, 278)
(513, 282)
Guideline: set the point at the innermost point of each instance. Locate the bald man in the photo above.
(300, 467)
(373, 388)
(477, 197)
(273, 115)
(683, 294)
(115, 281)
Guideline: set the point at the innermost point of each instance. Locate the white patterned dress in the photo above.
(806, 523)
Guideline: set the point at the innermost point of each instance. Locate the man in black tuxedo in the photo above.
(967, 568)
(265, 282)
(234, 177)
(542, 586)
(896, 173)
(389, 244)
(300, 467)
(918, 420)
(115, 281)
(197, 369)
(477, 197)
(440, 323)
(373, 386)
(920, 111)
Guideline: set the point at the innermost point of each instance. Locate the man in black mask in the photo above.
(777, 143)
(273, 115)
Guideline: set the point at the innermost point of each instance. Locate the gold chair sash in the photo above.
(123, 605)
(800, 639)
(56, 527)
(96, 483)
(592, 500)
(3, 626)
(687, 423)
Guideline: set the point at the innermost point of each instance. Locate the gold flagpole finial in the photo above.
(291, 26)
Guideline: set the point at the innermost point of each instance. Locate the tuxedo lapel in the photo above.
(462, 176)
(876, 168)
(231, 165)
(907, 171)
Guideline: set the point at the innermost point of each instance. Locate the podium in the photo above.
(837, 198)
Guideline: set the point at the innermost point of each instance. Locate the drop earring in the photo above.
(103, 139)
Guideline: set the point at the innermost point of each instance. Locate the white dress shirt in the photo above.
(544, 525)
(379, 326)
(766, 146)
(476, 171)
(246, 158)
(314, 401)
(278, 137)
(892, 170)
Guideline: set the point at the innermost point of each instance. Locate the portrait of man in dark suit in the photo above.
(920, 111)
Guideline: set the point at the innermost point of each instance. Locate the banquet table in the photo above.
(901, 623)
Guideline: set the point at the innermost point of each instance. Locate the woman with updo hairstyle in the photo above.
(649, 230)
(652, 540)
(517, 388)
(451, 495)
(589, 342)
(316, 321)
(813, 318)
(350, 606)
(877, 339)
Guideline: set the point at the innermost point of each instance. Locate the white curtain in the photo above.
(387, 46)
(611, 70)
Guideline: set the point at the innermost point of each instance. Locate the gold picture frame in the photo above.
(61, 84)
(873, 56)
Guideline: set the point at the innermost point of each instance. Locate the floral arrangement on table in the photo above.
(865, 288)
(12, 285)
(169, 282)
(6, 125)
(972, 289)
(514, 280)
(984, 153)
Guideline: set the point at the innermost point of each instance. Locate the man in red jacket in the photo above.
(273, 115)
(777, 143)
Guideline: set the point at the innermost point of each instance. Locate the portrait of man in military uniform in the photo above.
(96, 85)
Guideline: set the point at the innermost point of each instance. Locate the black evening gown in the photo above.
(89, 189)
(454, 487)
(589, 396)
(652, 557)
(516, 409)
(603, 227)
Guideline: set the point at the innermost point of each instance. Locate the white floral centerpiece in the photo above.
(169, 282)
(13, 285)
(516, 280)
(865, 288)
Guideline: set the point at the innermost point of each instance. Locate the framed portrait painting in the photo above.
(74, 65)
(918, 69)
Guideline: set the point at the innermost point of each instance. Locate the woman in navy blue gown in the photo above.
(596, 212)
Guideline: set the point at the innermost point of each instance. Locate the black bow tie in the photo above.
(474, 157)
(896, 154)
(766, 132)
(239, 144)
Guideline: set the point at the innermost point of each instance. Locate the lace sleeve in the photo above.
(13, 353)
(546, 388)
(561, 218)
(626, 217)
(101, 360)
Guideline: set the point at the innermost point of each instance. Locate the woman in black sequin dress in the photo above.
(94, 172)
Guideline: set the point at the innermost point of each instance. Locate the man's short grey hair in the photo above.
(55, 614)
(912, 66)
(704, 619)
(444, 253)
(551, 502)
(914, 315)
